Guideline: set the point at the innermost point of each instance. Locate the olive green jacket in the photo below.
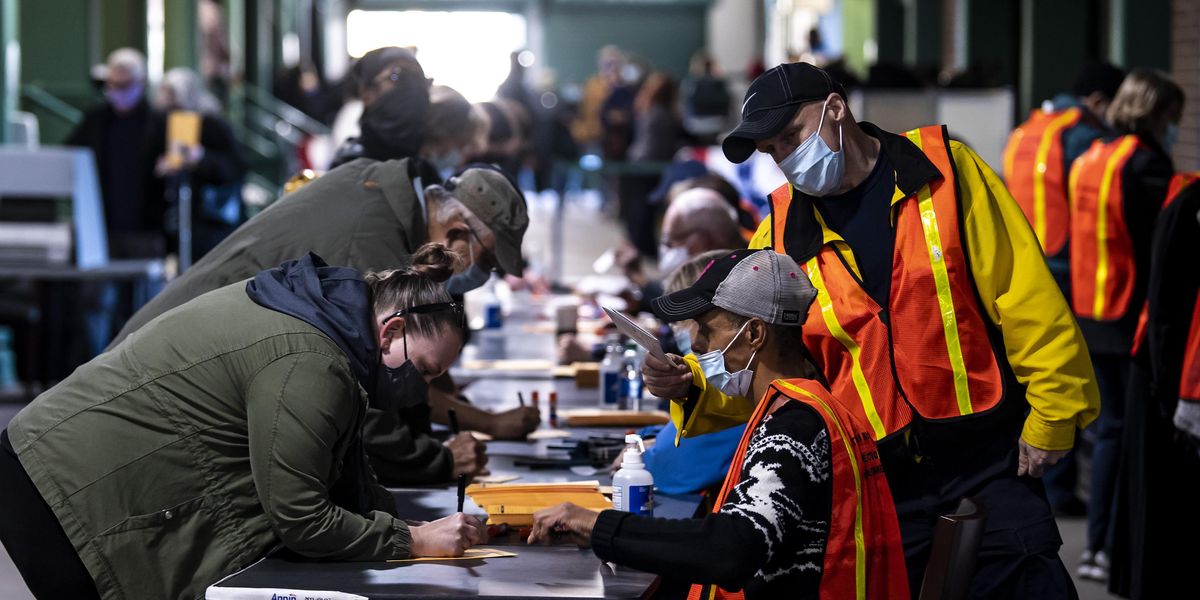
(204, 441)
(364, 214)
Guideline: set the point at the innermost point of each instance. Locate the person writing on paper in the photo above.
(228, 428)
(805, 510)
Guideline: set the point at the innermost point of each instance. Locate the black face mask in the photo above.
(394, 125)
(399, 388)
(404, 386)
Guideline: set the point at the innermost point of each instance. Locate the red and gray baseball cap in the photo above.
(750, 283)
(772, 100)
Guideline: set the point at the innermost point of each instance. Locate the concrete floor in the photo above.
(589, 233)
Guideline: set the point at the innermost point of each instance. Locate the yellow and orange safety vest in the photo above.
(1036, 175)
(944, 342)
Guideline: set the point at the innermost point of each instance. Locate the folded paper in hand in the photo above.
(638, 334)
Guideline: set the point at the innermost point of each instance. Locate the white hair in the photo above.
(189, 92)
(130, 60)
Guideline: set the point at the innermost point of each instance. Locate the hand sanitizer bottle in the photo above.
(633, 485)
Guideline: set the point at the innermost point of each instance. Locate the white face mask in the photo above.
(670, 259)
(731, 384)
(813, 168)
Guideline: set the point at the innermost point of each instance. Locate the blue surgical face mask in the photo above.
(471, 278)
(1170, 137)
(125, 99)
(683, 339)
(670, 258)
(445, 164)
(731, 384)
(813, 168)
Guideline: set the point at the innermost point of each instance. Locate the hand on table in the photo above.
(470, 455)
(666, 380)
(515, 424)
(447, 537)
(563, 523)
(1034, 461)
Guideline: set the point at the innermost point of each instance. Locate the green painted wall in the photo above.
(889, 30)
(992, 34)
(665, 34)
(182, 35)
(1053, 48)
(858, 26)
(122, 24)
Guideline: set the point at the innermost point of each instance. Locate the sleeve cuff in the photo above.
(1047, 435)
(605, 532)
(401, 540)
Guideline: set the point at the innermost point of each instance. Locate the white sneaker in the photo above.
(1093, 566)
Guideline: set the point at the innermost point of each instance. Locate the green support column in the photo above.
(858, 26)
(992, 28)
(1139, 33)
(182, 29)
(1054, 47)
(10, 66)
(890, 34)
(923, 33)
(123, 24)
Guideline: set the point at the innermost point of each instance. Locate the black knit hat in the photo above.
(1100, 77)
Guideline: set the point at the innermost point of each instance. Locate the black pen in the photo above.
(462, 490)
(521, 399)
(453, 421)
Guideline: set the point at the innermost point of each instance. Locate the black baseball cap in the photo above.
(772, 101)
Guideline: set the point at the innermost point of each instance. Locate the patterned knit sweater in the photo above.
(769, 538)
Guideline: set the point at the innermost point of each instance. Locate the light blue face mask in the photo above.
(683, 339)
(1170, 137)
(713, 365)
(445, 164)
(471, 278)
(813, 168)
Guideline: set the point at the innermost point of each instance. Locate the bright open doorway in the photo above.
(466, 50)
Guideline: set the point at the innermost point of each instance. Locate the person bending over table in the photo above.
(373, 215)
(228, 428)
(805, 510)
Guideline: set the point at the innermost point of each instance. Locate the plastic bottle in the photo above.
(633, 485)
(610, 372)
(631, 379)
(493, 316)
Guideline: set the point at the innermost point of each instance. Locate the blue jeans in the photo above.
(1112, 376)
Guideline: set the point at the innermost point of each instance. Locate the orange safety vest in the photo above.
(864, 555)
(937, 346)
(1189, 382)
(1036, 176)
(1103, 267)
(1179, 181)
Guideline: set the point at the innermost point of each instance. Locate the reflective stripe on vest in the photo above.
(1189, 384)
(862, 506)
(1035, 175)
(938, 337)
(1103, 270)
